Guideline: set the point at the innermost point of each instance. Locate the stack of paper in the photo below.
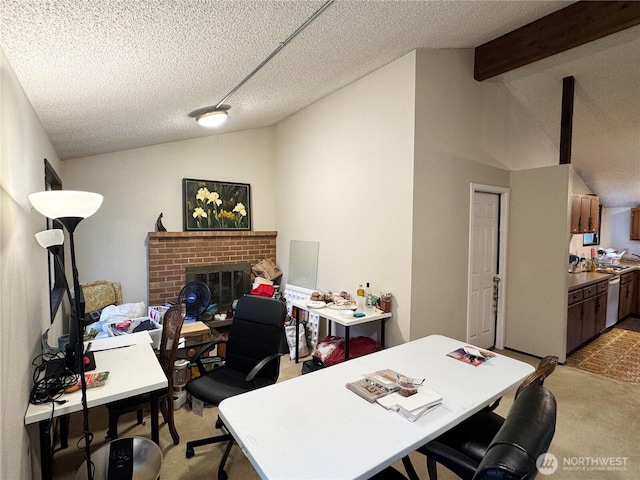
(412, 407)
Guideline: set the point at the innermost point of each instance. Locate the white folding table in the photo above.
(345, 437)
(133, 370)
(332, 315)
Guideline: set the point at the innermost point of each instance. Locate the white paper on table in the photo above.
(424, 398)
(119, 341)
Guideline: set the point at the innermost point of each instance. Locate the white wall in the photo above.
(24, 295)
(140, 184)
(537, 268)
(345, 179)
(465, 131)
(616, 230)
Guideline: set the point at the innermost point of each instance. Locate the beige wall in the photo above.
(140, 184)
(537, 277)
(616, 230)
(465, 131)
(24, 297)
(345, 179)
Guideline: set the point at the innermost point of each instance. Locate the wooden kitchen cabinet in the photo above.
(584, 213)
(586, 314)
(628, 295)
(635, 224)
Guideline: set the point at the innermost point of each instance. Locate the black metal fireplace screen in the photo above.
(226, 282)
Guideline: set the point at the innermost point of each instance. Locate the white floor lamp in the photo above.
(70, 207)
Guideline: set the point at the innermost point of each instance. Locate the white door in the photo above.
(484, 268)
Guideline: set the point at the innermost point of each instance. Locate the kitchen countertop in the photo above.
(584, 279)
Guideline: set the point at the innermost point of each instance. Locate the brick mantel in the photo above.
(170, 253)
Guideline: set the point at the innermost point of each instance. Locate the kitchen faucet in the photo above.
(635, 255)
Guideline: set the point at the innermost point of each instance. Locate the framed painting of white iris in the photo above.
(213, 205)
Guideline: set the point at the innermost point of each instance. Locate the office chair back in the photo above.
(257, 331)
(252, 360)
(526, 434)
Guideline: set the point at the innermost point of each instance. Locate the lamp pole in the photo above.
(70, 223)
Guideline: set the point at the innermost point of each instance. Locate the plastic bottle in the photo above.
(360, 297)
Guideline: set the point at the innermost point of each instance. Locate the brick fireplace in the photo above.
(170, 253)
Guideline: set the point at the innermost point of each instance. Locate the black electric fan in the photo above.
(196, 297)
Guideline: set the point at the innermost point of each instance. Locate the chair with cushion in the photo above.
(512, 447)
(462, 448)
(171, 325)
(252, 360)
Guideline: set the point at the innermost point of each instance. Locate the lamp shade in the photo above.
(212, 119)
(50, 238)
(66, 203)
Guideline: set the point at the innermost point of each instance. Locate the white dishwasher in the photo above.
(613, 297)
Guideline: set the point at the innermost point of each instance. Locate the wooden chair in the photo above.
(171, 325)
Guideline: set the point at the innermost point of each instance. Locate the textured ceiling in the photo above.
(112, 75)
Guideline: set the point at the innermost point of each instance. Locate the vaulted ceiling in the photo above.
(112, 75)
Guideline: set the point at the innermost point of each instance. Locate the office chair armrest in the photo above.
(205, 348)
(254, 371)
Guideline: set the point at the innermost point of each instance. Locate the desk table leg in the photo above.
(155, 428)
(346, 342)
(382, 320)
(297, 338)
(46, 455)
(64, 431)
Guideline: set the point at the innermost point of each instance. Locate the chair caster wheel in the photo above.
(218, 423)
(190, 453)
(222, 475)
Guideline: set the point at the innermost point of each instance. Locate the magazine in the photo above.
(471, 355)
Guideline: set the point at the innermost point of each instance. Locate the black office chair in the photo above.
(171, 326)
(462, 448)
(513, 445)
(252, 360)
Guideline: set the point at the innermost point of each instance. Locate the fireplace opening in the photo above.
(226, 282)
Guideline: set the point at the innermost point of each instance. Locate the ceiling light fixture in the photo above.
(216, 115)
(212, 119)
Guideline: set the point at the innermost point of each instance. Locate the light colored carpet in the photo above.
(598, 418)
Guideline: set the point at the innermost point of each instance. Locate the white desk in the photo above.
(348, 322)
(133, 370)
(349, 438)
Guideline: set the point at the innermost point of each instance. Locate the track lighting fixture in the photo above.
(215, 116)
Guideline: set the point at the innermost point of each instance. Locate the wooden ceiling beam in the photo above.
(575, 25)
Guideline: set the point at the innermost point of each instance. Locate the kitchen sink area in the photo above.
(614, 268)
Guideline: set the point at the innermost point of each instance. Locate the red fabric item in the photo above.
(358, 346)
(263, 290)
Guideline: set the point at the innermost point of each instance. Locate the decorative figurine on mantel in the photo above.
(159, 226)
